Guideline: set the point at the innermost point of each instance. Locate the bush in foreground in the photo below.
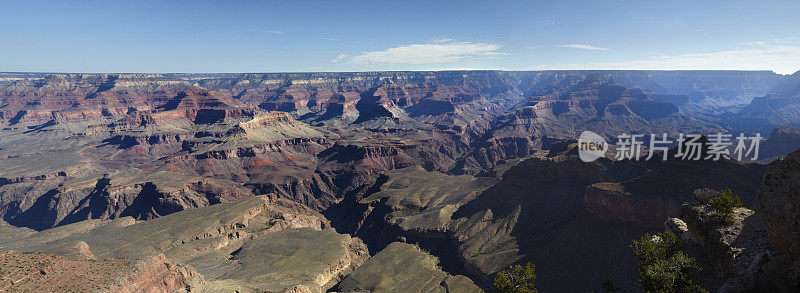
(663, 266)
(515, 279)
(725, 203)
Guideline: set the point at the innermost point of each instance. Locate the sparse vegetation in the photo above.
(516, 279)
(663, 266)
(268, 224)
(725, 202)
(704, 195)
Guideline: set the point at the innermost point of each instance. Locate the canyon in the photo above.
(342, 181)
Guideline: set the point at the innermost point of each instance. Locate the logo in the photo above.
(591, 146)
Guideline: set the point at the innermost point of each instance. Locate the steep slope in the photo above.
(572, 219)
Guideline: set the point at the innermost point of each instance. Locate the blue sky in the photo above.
(282, 36)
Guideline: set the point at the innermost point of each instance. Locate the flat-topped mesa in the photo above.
(264, 129)
(200, 98)
(269, 120)
(593, 91)
(205, 107)
(198, 107)
(554, 105)
(137, 118)
(597, 96)
(527, 111)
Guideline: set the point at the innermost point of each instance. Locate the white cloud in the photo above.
(431, 53)
(583, 46)
(443, 40)
(781, 59)
(339, 57)
(272, 32)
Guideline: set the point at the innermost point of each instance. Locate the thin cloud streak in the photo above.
(272, 32)
(584, 47)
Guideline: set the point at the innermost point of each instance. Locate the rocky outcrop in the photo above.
(227, 243)
(748, 251)
(403, 267)
(305, 257)
(778, 205)
(735, 252)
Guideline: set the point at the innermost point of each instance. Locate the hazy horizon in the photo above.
(367, 71)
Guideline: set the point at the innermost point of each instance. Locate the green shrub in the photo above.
(704, 195)
(725, 202)
(663, 266)
(515, 279)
